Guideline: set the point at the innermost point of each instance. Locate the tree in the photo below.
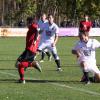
(14, 10)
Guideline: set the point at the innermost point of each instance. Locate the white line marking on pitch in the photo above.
(61, 85)
(8, 74)
(77, 89)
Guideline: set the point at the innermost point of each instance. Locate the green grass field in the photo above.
(48, 85)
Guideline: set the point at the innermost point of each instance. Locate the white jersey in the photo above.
(43, 26)
(52, 30)
(48, 39)
(87, 50)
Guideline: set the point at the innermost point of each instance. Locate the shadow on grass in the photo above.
(39, 81)
(7, 69)
(52, 81)
(6, 60)
(8, 80)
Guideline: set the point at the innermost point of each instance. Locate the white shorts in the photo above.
(46, 45)
(91, 67)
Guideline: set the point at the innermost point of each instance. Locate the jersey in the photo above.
(49, 37)
(85, 26)
(32, 35)
(42, 25)
(51, 32)
(87, 50)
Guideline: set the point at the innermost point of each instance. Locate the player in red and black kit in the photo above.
(27, 58)
(85, 25)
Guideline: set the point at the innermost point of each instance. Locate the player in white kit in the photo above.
(42, 25)
(50, 39)
(85, 52)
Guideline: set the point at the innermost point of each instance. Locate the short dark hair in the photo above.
(43, 14)
(83, 33)
(50, 15)
(30, 19)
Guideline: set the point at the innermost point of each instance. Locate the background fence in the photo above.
(6, 32)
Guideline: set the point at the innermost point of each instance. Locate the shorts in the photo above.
(91, 67)
(26, 56)
(48, 46)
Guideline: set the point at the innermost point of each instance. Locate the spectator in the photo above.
(64, 22)
(21, 23)
(85, 25)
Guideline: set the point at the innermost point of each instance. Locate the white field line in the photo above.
(77, 89)
(61, 85)
(11, 74)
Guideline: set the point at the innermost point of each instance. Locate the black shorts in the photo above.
(27, 56)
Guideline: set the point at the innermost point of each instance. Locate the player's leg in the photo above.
(42, 56)
(36, 65)
(85, 77)
(21, 66)
(48, 54)
(95, 70)
(45, 51)
(27, 62)
(32, 62)
(56, 57)
(41, 50)
(21, 58)
(97, 77)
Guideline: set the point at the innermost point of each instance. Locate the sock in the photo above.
(21, 72)
(58, 63)
(86, 76)
(48, 54)
(42, 55)
(21, 67)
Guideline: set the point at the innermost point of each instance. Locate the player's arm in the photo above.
(75, 52)
(56, 35)
(96, 43)
(36, 34)
(36, 37)
(40, 28)
(41, 31)
(55, 40)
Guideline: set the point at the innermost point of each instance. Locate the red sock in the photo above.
(21, 67)
(21, 73)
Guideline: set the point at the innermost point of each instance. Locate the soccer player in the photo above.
(85, 52)
(85, 25)
(42, 25)
(50, 40)
(26, 59)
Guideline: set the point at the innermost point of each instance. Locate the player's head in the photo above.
(43, 17)
(86, 17)
(84, 37)
(31, 20)
(50, 18)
